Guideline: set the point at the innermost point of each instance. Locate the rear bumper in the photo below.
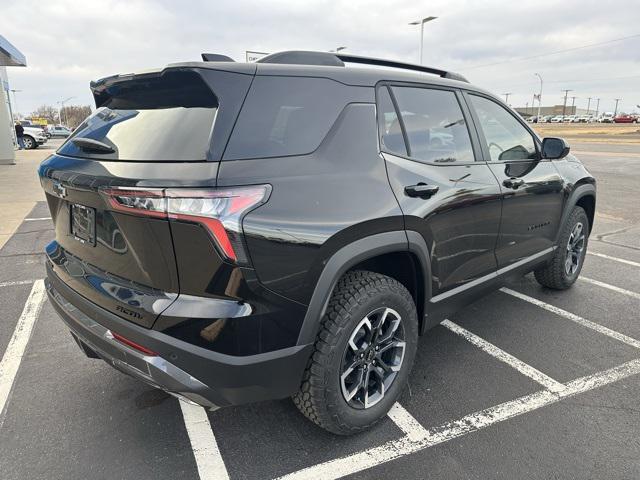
(207, 378)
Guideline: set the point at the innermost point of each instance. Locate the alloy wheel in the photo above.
(575, 249)
(373, 358)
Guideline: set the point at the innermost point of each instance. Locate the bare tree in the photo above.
(74, 115)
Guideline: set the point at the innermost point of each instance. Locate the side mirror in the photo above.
(554, 148)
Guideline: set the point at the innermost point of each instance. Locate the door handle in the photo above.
(421, 190)
(513, 183)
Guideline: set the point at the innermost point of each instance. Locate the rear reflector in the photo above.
(133, 345)
(219, 211)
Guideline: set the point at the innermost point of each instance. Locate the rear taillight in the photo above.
(220, 211)
(132, 344)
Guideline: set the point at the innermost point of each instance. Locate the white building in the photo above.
(10, 56)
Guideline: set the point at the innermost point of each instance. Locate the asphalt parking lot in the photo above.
(526, 383)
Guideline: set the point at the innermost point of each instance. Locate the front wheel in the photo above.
(29, 143)
(362, 356)
(565, 266)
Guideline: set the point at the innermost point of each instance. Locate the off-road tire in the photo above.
(320, 397)
(553, 274)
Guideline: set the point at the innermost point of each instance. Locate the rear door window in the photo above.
(434, 124)
(285, 116)
(164, 118)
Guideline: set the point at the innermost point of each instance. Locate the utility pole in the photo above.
(506, 97)
(597, 107)
(539, 95)
(616, 110)
(526, 108)
(573, 103)
(588, 105)
(564, 105)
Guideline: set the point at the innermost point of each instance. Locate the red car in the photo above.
(626, 119)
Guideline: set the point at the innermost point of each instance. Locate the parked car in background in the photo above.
(546, 119)
(34, 136)
(59, 131)
(571, 118)
(606, 117)
(584, 118)
(624, 118)
(557, 119)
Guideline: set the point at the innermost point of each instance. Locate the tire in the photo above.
(359, 297)
(564, 268)
(29, 142)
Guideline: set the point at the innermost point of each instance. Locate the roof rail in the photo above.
(406, 66)
(216, 57)
(301, 57)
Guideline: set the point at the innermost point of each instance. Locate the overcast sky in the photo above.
(68, 43)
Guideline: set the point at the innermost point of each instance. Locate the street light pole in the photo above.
(573, 105)
(337, 50)
(539, 95)
(588, 105)
(597, 108)
(61, 110)
(506, 97)
(15, 102)
(421, 23)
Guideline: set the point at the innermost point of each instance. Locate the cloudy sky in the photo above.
(70, 42)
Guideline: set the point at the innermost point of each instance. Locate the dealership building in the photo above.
(10, 56)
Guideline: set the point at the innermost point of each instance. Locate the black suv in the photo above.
(235, 232)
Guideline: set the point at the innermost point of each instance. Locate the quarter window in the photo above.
(435, 126)
(506, 138)
(391, 132)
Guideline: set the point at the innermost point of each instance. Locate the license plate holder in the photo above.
(83, 223)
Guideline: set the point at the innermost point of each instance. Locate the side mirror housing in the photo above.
(554, 148)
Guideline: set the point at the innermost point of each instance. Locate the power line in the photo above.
(520, 59)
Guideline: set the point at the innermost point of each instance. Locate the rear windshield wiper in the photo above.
(91, 145)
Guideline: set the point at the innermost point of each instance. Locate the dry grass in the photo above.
(591, 132)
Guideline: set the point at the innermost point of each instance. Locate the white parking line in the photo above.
(615, 259)
(19, 282)
(394, 449)
(36, 219)
(15, 350)
(405, 422)
(575, 318)
(499, 354)
(611, 287)
(203, 443)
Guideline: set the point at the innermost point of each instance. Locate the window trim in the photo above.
(483, 140)
(476, 145)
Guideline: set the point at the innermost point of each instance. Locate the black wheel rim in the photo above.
(373, 358)
(575, 249)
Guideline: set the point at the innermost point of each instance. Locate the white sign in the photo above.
(253, 56)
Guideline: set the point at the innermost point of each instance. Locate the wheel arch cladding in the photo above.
(375, 251)
(583, 195)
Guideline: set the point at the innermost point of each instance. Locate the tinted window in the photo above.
(285, 116)
(506, 138)
(435, 126)
(154, 119)
(390, 130)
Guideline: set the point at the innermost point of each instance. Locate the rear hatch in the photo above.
(153, 134)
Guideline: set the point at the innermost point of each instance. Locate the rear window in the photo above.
(285, 116)
(165, 118)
